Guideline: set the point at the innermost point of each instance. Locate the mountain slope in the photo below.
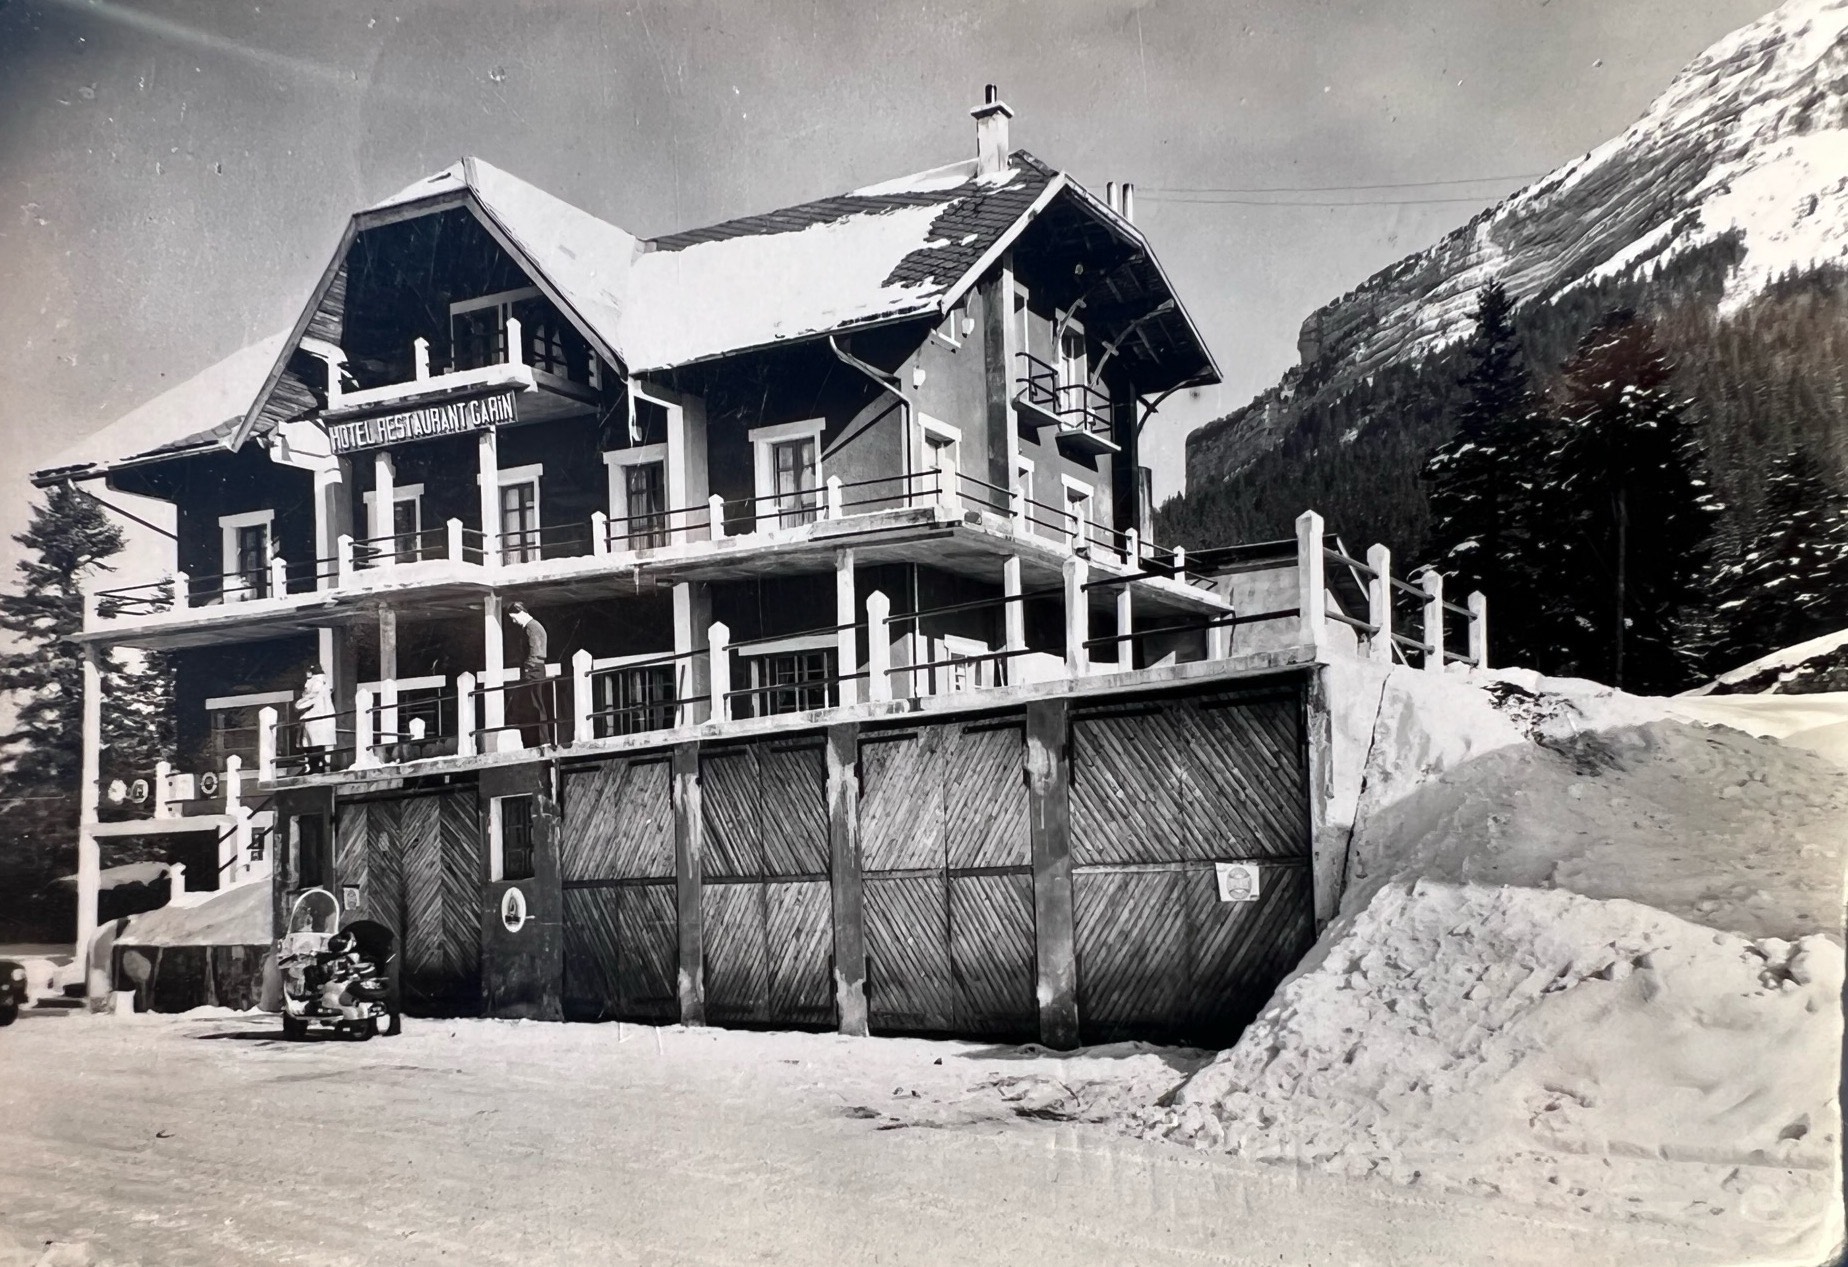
(1744, 157)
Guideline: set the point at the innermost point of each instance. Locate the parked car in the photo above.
(12, 990)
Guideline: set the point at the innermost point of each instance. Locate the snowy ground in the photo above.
(197, 1139)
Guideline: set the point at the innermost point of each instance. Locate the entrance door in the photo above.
(414, 864)
(1162, 790)
(616, 861)
(947, 865)
(764, 907)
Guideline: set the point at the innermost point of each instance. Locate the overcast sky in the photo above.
(177, 172)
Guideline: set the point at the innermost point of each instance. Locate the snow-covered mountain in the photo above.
(1748, 145)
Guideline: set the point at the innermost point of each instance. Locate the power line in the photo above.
(1334, 189)
(1279, 202)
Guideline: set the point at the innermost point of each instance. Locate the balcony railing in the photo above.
(1081, 410)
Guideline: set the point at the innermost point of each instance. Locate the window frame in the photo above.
(1083, 494)
(757, 663)
(512, 477)
(616, 463)
(763, 465)
(938, 435)
(402, 552)
(497, 838)
(228, 528)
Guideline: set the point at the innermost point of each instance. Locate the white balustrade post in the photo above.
(1478, 604)
(452, 539)
(1132, 548)
(1180, 563)
(581, 731)
(1125, 629)
(878, 647)
(599, 532)
(362, 728)
(837, 501)
(381, 541)
(343, 560)
(420, 358)
(182, 591)
(1311, 585)
(487, 479)
(465, 714)
(163, 775)
(846, 637)
(1431, 581)
(278, 577)
(1077, 617)
(516, 342)
(1219, 638)
(267, 721)
(1379, 604)
(1017, 507)
(234, 779)
(1014, 611)
(718, 654)
(715, 515)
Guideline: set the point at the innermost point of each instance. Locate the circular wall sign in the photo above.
(513, 910)
(208, 783)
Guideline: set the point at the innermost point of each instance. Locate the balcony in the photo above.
(1079, 411)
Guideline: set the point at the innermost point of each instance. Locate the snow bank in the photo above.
(1807, 667)
(237, 917)
(1599, 1055)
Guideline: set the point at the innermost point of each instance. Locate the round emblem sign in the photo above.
(513, 910)
(208, 783)
(138, 791)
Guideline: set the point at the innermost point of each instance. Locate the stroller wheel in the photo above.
(294, 1028)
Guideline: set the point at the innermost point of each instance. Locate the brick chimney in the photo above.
(991, 132)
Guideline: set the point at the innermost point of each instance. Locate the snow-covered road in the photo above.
(206, 1139)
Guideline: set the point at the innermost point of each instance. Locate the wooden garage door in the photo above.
(764, 907)
(947, 865)
(416, 863)
(1161, 790)
(616, 865)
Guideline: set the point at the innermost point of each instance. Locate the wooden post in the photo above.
(267, 721)
(494, 659)
(599, 532)
(837, 502)
(487, 477)
(465, 714)
(1049, 824)
(362, 728)
(844, 874)
(1014, 611)
(89, 801)
(343, 561)
(878, 647)
(581, 731)
(1478, 604)
(1431, 581)
(1077, 617)
(1379, 604)
(846, 637)
(1311, 588)
(452, 539)
(689, 853)
(715, 516)
(718, 657)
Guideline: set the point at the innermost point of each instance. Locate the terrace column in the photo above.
(846, 615)
(1125, 630)
(494, 655)
(692, 675)
(1311, 600)
(487, 457)
(388, 675)
(89, 864)
(384, 490)
(1077, 617)
(330, 516)
(1013, 612)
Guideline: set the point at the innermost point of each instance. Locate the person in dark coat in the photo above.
(530, 705)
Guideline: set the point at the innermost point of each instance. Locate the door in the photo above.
(948, 880)
(616, 864)
(1162, 790)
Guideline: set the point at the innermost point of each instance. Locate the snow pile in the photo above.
(1819, 665)
(1593, 1054)
(239, 916)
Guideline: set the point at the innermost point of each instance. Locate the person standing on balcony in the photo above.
(315, 708)
(535, 713)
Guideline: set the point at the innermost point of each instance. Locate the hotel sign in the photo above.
(427, 423)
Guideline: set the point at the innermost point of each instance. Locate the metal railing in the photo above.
(1078, 406)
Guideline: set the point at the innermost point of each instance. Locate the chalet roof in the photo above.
(903, 248)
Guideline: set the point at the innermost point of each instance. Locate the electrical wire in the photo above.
(1333, 189)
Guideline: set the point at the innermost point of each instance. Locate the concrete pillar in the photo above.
(1478, 604)
(494, 659)
(89, 801)
(268, 720)
(581, 728)
(420, 359)
(1311, 589)
(452, 539)
(278, 576)
(362, 728)
(689, 868)
(693, 675)
(715, 516)
(384, 491)
(329, 521)
(599, 532)
(837, 498)
(1431, 581)
(163, 772)
(234, 783)
(487, 478)
(1048, 761)
(878, 647)
(1125, 630)
(343, 560)
(1077, 617)
(846, 615)
(388, 675)
(845, 889)
(718, 660)
(465, 714)
(1379, 604)
(1014, 611)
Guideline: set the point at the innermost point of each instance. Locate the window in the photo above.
(942, 445)
(632, 701)
(1074, 371)
(231, 725)
(788, 473)
(971, 664)
(1023, 478)
(519, 514)
(954, 327)
(313, 859)
(645, 491)
(792, 681)
(549, 343)
(1078, 497)
(403, 539)
(510, 832)
(247, 548)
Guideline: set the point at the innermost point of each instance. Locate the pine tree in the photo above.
(1791, 582)
(1626, 495)
(1481, 480)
